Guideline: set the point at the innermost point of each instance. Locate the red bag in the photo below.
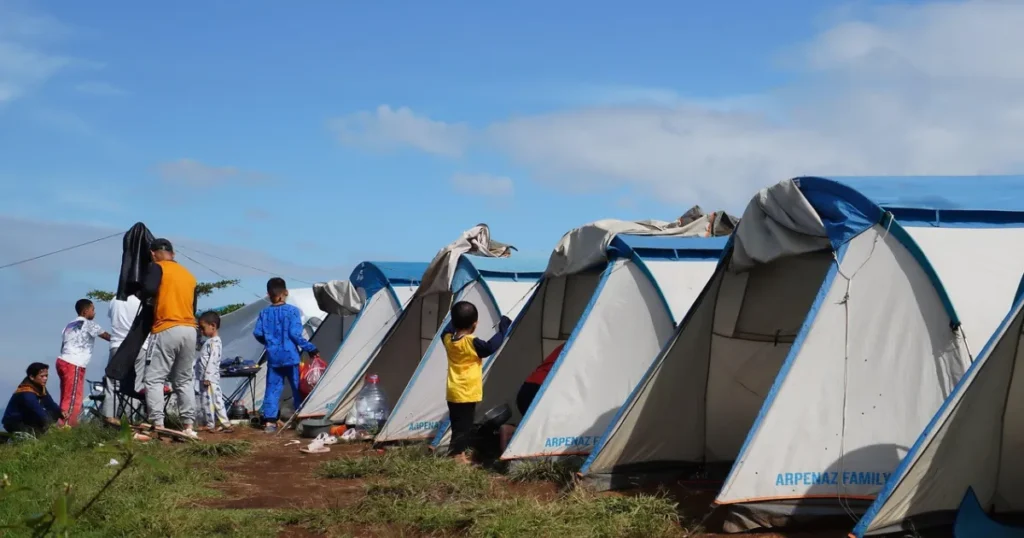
(311, 375)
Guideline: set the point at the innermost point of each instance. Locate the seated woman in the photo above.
(528, 391)
(31, 409)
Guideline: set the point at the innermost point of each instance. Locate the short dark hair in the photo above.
(210, 318)
(36, 367)
(276, 286)
(464, 315)
(161, 244)
(81, 305)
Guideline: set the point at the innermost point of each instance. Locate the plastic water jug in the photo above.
(371, 405)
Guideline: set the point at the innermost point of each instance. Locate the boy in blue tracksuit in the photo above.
(279, 329)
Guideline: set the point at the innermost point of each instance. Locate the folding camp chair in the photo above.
(131, 403)
(97, 395)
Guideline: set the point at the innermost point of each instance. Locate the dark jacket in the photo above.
(30, 406)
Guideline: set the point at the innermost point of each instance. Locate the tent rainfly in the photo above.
(612, 293)
(962, 224)
(384, 288)
(497, 287)
(398, 354)
(821, 347)
(967, 456)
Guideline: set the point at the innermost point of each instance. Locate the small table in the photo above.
(249, 374)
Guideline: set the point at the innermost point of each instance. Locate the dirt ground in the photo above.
(275, 475)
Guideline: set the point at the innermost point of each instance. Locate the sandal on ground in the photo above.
(327, 439)
(316, 446)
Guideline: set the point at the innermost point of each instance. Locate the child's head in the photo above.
(464, 316)
(277, 290)
(209, 323)
(85, 308)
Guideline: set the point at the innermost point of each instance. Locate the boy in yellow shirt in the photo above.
(465, 386)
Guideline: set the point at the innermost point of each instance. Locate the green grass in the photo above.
(431, 495)
(232, 448)
(405, 491)
(561, 471)
(147, 499)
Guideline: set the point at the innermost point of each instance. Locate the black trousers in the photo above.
(527, 392)
(36, 429)
(461, 416)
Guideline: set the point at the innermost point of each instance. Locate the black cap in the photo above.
(161, 244)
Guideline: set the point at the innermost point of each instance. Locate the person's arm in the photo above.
(295, 332)
(95, 330)
(151, 282)
(30, 406)
(448, 329)
(257, 331)
(486, 348)
(52, 408)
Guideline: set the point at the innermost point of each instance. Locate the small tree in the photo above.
(204, 289)
(100, 295)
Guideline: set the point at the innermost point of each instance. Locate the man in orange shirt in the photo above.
(172, 350)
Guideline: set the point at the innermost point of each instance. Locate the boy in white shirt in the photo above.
(207, 370)
(75, 353)
(122, 315)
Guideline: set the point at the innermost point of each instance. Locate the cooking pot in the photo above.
(237, 412)
(314, 427)
(495, 417)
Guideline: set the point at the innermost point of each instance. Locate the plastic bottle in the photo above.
(371, 405)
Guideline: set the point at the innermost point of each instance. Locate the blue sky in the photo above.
(301, 141)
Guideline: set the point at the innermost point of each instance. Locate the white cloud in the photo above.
(388, 129)
(26, 60)
(483, 185)
(100, 89)
(193, 172)
(928, 88)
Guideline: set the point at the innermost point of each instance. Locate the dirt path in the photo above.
(275, 475)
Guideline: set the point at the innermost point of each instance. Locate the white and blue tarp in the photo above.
(612, 293)
(823, 344)
(497, 287)
(965, 466)
(383, 289)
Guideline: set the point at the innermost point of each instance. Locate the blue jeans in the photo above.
(276, 377)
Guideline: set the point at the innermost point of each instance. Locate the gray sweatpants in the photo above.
(171, 356)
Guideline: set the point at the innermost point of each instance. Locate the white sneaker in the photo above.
(190, 433)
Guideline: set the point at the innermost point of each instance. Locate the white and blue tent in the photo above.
(497, 287)
(384, 288)
(965, 466)
(613, 299)
(821, 347)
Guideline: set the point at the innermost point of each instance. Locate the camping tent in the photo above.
(613, 311)
(398, 357)
(820, 348)
(969, 446)
(385, 288)
(962, 224)
(497, 287)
